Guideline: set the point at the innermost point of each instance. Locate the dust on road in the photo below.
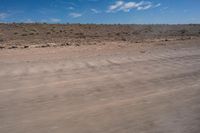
(101, 89)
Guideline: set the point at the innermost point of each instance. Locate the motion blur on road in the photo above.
(110, 88)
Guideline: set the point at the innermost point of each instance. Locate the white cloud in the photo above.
(127, 6)
(3, 15)
(55, 20)
(75, 15)
(144, 5)
(116, 5)
(157, 5)
(95, 11)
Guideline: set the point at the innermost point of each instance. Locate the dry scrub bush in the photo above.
(24, 34)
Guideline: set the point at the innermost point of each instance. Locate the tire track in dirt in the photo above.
(124, 92)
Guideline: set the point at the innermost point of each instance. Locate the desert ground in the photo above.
(99, 78)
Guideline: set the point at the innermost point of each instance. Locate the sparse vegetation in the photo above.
(31, 33)
(89, 33)
(123, 39)
(48, 32)
(26, 46)
(118, 34)
(53, 30)
(183, 31)
(12, 47)
(24, 34)
(2, 47)
(1, 40)
(25, 30)
(15, 33)
(77, 44)
(34, 30)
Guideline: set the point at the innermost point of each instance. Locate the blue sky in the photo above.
(101, 11)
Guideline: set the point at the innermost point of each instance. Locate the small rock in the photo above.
(142, 51)
(2, 47)
(77, 44)
(12, 47)
(26, 46)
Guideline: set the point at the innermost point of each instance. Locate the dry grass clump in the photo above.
(90, 33)
(25, 30)
(183, 31)
(34, 30)
(1, 40)
(31, 33)
(15, 33)
(48, 33)
(118, 34)
(24, 34)
(123, 39)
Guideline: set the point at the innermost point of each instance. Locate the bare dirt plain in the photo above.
(116, 86)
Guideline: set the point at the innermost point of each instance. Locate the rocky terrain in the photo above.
(57, 35)
(99, 78)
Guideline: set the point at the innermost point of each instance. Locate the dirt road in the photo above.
(101, 89)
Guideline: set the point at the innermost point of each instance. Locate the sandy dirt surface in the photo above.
(111, 88)
(24, 36)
